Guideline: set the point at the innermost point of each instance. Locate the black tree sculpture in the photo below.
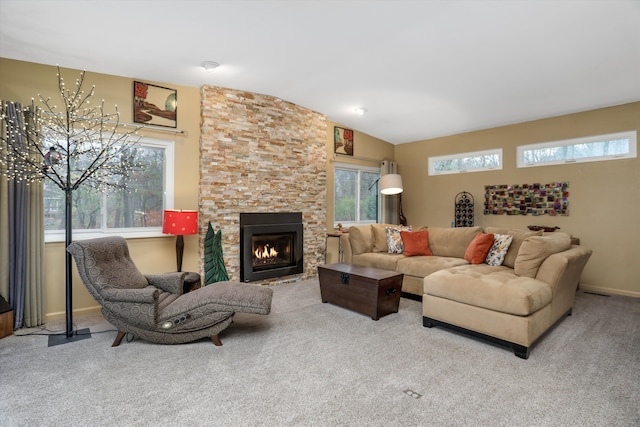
(78, 144)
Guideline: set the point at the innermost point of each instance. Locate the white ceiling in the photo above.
(422, 69)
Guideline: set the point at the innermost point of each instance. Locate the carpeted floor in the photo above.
(314, 364)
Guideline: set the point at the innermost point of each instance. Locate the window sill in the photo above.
(54, 237)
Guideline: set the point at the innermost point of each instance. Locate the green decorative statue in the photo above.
(214, 269)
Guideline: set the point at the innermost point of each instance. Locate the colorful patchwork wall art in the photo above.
(527, 199)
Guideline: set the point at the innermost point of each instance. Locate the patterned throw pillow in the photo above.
(498, 251)
(394, 239)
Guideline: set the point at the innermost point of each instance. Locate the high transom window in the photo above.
(613, 146)
(476, 161)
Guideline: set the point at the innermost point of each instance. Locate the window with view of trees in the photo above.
(356, 194)
(589, 149)
(136, 209)
(476, 161)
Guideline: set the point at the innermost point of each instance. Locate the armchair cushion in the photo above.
(141, 315)
(214, 303)
(168, 282)
(146, 295)
(226, 297)
(108, 263)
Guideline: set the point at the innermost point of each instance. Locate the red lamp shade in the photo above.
(180, 222)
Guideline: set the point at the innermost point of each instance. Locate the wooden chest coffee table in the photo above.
(367, 290)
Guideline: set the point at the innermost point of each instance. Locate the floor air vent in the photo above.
(412, 394)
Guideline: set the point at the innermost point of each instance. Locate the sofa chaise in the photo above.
(513, 302)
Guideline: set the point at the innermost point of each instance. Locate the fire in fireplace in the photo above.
(271, 250)
(270, 245)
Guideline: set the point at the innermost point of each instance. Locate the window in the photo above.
(477, 161)
(134, 212)
(589, 149)
(356, 194)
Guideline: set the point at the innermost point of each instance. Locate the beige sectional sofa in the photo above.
(512, 304)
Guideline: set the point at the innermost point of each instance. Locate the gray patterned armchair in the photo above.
(152, 307)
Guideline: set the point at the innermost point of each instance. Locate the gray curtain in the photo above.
(21, 235)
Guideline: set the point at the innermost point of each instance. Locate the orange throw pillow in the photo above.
(479, 248)
(416, 243)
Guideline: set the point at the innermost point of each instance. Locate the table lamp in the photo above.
(180, 222)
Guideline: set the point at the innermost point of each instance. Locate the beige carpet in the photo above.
(314, 364)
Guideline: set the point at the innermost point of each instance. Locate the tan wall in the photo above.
(604, 199)
(21, 81)
(368, 151)
(604, 195)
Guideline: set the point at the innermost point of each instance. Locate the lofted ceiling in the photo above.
(422, 69)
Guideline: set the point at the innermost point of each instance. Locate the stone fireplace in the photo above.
(260, 154)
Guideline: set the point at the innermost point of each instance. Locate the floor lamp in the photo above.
(391, 184)
(179, 223)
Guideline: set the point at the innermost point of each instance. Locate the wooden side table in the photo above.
(326, 245)
(191, 282)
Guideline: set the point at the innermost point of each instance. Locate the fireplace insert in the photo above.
(271, 245)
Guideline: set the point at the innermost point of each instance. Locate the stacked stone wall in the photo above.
(261, 154)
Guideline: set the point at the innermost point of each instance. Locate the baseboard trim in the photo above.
(609, 291)
(63, 314)
(414, 297)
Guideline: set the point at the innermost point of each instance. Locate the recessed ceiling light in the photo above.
(210, 65)
(360, 111)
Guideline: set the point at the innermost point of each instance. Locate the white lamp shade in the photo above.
(391, 184)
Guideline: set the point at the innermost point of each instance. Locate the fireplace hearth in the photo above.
(271, 245)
